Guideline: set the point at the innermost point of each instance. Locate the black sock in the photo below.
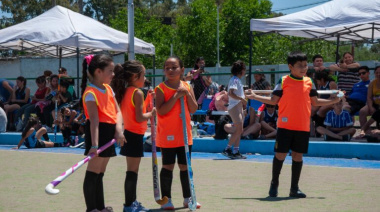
(46, 137)
(185, 184)
(58, 145)
(276, 169)
(89, 190)
(166, 178)
(99, 192)
(130, 185)
(296, 173)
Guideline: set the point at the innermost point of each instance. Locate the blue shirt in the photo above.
(4, 93)
(359, 91)
(338, 121)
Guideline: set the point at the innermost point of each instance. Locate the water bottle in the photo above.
(76, 140)
(194, 129)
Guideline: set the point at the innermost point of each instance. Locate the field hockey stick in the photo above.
(78, 145)
(50, 188)
(193, 200)
(338, 92)
(55, 125)
(156, 187)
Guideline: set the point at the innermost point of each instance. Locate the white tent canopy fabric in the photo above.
(352, 20)
(60, 27)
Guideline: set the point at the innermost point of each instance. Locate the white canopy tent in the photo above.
(337, 20)
(61, 27)
(60, 32)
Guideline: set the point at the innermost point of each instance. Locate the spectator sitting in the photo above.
(3, 119)
(64, 76)
(316, 67)
(20, 97)
(268, 121)
(251, 127)
(347, 76)
(30, 108)
(372, 135)
(47, 74)
(40, 106)
(260, 84)
(66, 123)
(358, 97)
(63, 97)
(6, 90)
(338, 124)
(318, 113)
(373, 98)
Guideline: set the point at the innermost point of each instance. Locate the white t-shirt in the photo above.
(235, 84)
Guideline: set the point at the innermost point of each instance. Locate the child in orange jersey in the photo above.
(169, 128)
(294, 94)
(104, 122)
(128, 80)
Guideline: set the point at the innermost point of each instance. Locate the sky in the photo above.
(283, 6)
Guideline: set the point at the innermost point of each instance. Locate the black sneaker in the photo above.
(297, 193)
(273, 190)
(237, 155)
(227, 153)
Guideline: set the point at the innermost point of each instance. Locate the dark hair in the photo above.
(62, 69)
(31, 122)
(62, 110)
(322, 75)
(376, 68)
(197, 61)
(22, 79)
(64, 84)
(294, 57)
(53, 76)
(41, 79)
(365, 68)
(344, 54)
(177, 58)
(317, 56)
(47, 73)
(237, 67)
(123, 77)
(100, 61)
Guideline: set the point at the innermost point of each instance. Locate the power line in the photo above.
(305, 5)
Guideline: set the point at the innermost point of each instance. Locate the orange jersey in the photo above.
(169, 126)
(128, 111)
(295, 103)
(105, 101)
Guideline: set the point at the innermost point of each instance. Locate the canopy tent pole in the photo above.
(60, 56)
(337, 49)
(154, 71)
(78, 94)
(250, 58)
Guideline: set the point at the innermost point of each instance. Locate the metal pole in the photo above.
(171, 49)
(154, 71)
(217, 37)
(337, 49)
(78, 85)
(250, 58)
(60, 56)
(131, 31)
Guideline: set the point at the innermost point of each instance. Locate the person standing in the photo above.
(294, 95)
(127, 85)
(104, 123)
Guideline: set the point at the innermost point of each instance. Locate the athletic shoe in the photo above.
(346, 137)
(237, 155)
(297, 193)
(107, 209)
(168, 206)
(227, 153)
(186, 203)
(135, 207)
(273, 190)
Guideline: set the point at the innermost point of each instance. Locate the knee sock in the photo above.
(130, 185)
(296, 173)
(235, 150)
(46, 137)
(89, 190)
(276, 169)
(185, 184)
(166, 178)
(99, 192)
(228, 147)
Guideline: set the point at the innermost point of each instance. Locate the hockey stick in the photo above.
(55, 125)
(50, 188)
(193, 200)
(340, 93)
(78, 145)
(156, 187)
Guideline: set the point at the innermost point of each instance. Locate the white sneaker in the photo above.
(186, 203)
(168, 206)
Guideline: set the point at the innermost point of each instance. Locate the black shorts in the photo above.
(134, 146)
(376, 116)
(297, 141)
(106, 134)
(40, 144)
(169, 155)
(355, 106)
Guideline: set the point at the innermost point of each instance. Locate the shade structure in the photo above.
(62, 28)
